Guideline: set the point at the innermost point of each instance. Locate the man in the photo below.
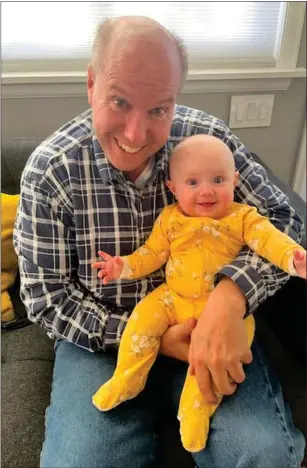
(98, 183)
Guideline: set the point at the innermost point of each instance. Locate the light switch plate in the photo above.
(251, 111)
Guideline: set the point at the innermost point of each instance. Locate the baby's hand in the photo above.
(299, 261)
(110, 269)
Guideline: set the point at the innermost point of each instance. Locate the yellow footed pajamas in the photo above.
(138, 349)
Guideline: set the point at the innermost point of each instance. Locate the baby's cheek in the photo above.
(226, 197)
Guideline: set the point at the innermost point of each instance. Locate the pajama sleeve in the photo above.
(268, 242)
(153, 254)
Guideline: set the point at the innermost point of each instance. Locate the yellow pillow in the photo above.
(9, 262)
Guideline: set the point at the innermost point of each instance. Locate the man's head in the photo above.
(137, 70)
(203, 176)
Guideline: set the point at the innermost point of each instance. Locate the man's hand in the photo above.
(219, 345)
(110, 269)
(176, 340)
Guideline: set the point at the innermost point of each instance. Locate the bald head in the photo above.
(203, 147)
(134, 33)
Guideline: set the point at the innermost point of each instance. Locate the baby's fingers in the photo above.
(299, 256)
(104, 255)
(105, 280)
(98, 265)
(300, 263)
(101, 274)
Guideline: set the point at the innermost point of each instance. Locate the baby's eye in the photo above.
(192, 182)
(218, 180)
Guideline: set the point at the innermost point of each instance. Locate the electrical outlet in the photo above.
(251, 111)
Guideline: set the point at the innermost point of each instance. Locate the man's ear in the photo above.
(90, 83)
(236, 179)
(169, 184)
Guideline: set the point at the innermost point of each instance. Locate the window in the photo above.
(42, 37)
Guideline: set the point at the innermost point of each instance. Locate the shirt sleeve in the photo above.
(44, 240)
(256, 277)
(153, 254)
(268, 242)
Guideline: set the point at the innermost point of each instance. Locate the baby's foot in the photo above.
(111, 394)
(118, 389)
(194, 426)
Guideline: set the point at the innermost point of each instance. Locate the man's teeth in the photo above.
(129, 150)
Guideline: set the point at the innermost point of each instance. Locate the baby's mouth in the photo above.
(207, 204)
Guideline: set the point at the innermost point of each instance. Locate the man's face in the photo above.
(132, 100)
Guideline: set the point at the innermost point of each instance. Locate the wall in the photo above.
(277, 145)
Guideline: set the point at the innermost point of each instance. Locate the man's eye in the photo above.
(192, 182)
(120, 103)
(158, 112)
(218, 180)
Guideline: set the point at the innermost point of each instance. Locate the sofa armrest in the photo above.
(295, 200)
(285, 312)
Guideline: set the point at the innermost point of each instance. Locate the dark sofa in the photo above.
(27, 353)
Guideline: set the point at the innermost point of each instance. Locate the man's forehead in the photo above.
(156, 53)
(134, 81)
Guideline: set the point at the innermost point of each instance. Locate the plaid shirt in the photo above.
(74, 203)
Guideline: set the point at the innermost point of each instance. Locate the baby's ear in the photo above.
(169, 184)
(236, 178)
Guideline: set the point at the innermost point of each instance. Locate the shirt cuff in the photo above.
(248, 280)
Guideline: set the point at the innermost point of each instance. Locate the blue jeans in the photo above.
(252, 428)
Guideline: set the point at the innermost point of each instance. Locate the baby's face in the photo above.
(204, 186)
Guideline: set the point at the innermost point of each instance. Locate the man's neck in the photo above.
(141, 175)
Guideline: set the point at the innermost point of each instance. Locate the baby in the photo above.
(195, 237)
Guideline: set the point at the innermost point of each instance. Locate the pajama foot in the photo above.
(115, 392)
(194, 429)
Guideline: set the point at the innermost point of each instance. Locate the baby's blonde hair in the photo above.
(202, 139)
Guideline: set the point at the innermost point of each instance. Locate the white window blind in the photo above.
(58, 35)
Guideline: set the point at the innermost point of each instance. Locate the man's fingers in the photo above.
(189, 326)
(222, 383)
(205, 384)
(236, 373)
(247, 357)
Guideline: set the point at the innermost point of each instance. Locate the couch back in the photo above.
(14, 155)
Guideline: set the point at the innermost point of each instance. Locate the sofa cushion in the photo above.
(29, 343)
(27, 365)
(25, 392)
(9, 261)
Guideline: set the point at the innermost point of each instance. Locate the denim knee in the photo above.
(104, 450)
(273, 449)
(253, 448)
(77, 435)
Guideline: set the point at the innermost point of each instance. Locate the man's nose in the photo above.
(135, 129)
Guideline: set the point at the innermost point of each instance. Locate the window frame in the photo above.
(61, 82)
